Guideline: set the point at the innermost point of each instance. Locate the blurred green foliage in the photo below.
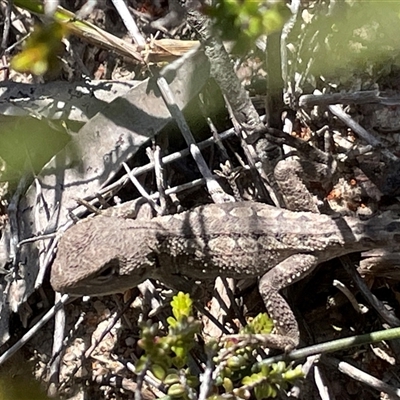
(21, 388)
(41, 50)
(17, 381)
(27, 143)
(328, 38)
(243, 21)
(352, 37)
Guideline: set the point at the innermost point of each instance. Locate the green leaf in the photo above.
(158, 371)
(141, 363)
(228, 385)
(265, 391)
(293, 374)
(176, 390)
(171, 379)
(172, 322)
(181, 306)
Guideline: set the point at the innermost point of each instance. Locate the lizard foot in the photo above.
(292, 269)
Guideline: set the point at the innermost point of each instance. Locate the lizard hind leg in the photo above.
(290, 270)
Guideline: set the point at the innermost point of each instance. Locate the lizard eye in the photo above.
(108, 271)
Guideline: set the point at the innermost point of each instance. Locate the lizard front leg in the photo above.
(291, 175)
(292, 269)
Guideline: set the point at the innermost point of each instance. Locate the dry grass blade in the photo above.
(159, 50)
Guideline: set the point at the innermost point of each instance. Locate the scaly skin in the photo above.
(104, 255)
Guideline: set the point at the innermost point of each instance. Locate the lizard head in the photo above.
(100, 256)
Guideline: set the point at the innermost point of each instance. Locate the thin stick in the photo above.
(362, 376)
(335, 345)
(129, 22)
(214, 188)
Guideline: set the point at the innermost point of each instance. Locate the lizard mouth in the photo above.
(92, 285)
(107, 281)
(92, 290)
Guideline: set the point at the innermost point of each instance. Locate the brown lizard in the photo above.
(104, 255)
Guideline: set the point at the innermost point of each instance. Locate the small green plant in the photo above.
(237, 370)
(167, 356)
(242, 373)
